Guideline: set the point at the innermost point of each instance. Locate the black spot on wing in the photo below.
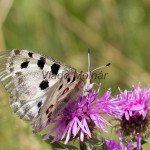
(41, 63)
(30, 54)
(74, 78)
(44, 84)
(68, 80)
(39, 104)
(24, 64)
(60, 87)
(17, 52)
(55, 68)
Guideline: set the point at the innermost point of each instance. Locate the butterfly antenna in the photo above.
(99, 85)
(100, 67)
(89, 72)
(88, 60)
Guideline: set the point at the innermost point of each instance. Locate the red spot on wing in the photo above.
(79, 82)
(65, 91)
(49, 109)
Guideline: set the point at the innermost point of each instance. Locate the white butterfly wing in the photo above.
(24, 75)
(27, 110)
(59, 95)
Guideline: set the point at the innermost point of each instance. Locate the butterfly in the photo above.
(39, 86)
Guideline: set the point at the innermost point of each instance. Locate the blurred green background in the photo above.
(115, 31)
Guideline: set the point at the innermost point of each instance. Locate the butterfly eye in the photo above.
(84, 77)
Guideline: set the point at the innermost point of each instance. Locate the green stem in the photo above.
(83, 146)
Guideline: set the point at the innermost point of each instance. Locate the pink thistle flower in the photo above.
(134, 116)
(136, 102)
(80, 116)
(112, 145)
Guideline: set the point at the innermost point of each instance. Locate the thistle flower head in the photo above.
(135, 102)
(135, 105)
(81, 116)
